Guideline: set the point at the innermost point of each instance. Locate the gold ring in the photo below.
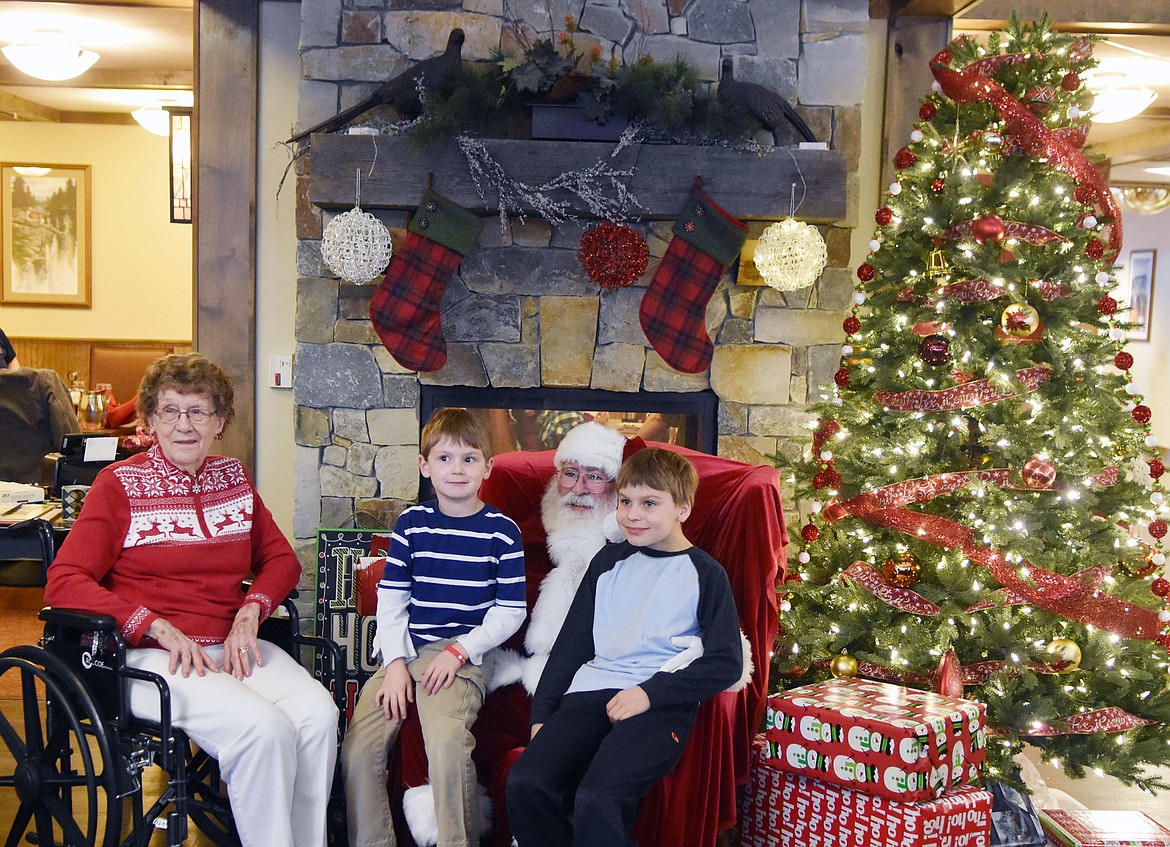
(243, 649)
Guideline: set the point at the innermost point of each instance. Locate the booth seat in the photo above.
(739, 520)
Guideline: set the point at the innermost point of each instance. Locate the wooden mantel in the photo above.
(746, 184)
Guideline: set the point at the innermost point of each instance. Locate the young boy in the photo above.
(605, 705)
(453, 588)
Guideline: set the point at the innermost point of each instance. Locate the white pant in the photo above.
(274, 735)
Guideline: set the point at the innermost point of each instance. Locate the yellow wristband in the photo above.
(450, 648)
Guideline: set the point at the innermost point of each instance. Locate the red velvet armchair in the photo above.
(738, 519)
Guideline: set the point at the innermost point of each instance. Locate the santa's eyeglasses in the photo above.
(595, 482)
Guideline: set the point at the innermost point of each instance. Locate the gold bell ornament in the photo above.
(937, 266)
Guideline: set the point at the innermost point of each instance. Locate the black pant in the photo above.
(579, 782)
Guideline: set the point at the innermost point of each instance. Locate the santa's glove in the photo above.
(405, 308)
(674, 308)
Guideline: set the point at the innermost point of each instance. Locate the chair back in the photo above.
(26, 550)
(122, 367)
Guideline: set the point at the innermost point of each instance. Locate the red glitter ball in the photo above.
(904, 159)
(830, 429)
(937, 186)
(1084, 194)
(927, 110)
(934, 350)
(1070, 81)
(1163, 640)
(1156, 468)
(810, 534)
(841, 377)
(1158, 529)
(865, 272)
(613, 254)
(1141, 414)
(851, 325)
(1160, 587)
(1107, 305)
(1095, 249)
(1038, 473)
(884, 216)
(1123, 361)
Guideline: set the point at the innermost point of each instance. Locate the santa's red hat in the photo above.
(593, 445)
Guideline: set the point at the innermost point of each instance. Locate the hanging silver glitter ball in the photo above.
(790, 255)
(356, 246)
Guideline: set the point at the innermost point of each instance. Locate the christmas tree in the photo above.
(982, 486)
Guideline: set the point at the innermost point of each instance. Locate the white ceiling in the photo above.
(146, 57)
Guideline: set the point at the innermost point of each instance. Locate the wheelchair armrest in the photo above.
(78, 619)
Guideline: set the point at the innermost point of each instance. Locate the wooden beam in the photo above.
(18, 108)
(663, 174)
(226, 80)
(178, 78)
(1136, 146)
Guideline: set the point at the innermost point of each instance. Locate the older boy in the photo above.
(453, 588)
(604, 706)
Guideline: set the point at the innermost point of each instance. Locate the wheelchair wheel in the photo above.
(62, 769)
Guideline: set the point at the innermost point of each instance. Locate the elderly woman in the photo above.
(163, 544)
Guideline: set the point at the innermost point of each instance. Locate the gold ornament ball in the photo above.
(1138, 570)
(902, 572)
(1064, 655)
(843, 666)
(1019, 320)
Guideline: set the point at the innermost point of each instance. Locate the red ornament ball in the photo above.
(927, 110)
(1084, 194)
(1163, 640)
(1038, 473)
(841, 377)
(934, 350)
(1141, 414)
(820, 480)
(613, 254)
(937, 186)
(1160, 587)
(851, 325)
(1123, 361)
(1156, 469)
(1095, 249)
(988, 228)
(904, 159)
(1070, 81)
(884, 216)
(1157, 528)
(865, 272)
(1107, 305)
(831, 428)
(809, 533)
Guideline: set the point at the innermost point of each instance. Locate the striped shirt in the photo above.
(447, 573)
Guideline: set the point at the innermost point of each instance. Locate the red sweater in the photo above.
(152, 541)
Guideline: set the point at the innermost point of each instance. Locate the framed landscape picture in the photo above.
(1141, 293)
(45, 227)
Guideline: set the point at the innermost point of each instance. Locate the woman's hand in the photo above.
(241, 648)
(185, 653)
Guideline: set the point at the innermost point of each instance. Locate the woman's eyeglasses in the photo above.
(593, 481)
(170, 415)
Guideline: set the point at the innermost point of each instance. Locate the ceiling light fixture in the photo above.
(153, 119)
(1116, 99)
(49, 54)
(30, 170)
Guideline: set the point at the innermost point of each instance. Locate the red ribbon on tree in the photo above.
(900, 598)
(1033, 135)
(974, 393)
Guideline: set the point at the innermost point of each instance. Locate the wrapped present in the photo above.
(882, 739)
(1098, 828)
(781, 809)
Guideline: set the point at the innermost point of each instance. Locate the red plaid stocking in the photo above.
(706, 241)
(405, 308)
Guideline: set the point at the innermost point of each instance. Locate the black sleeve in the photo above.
(7, 351)
(721, 664)
(574, 645)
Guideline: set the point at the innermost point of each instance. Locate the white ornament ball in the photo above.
(826, 455)
(859, 298)
(815, 507)
(1164, 616)
(935, 87)
(803, 557)
(1132, 389)
(895, 188)
(790, 255)
(1073, 113)
(1157, 497)
(1117, 333)
(874, 246)
(1158, 559)
(356, 246)
(1090, 222)
(846, 349)
(916, 136)
(1151, 441)
(1103, 277)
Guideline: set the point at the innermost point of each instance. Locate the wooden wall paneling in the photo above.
(226, 77)
(71, 355)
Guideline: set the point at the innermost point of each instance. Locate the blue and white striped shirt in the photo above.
(444, 575)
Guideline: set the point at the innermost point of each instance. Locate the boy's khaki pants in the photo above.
(446, 719)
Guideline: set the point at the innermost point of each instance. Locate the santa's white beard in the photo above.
(573, 540)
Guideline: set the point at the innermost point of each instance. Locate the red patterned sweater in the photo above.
(153, 541)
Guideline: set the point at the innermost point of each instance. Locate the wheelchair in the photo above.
(79, 755)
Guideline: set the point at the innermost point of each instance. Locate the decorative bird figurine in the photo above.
(765, 105)
(402, 91)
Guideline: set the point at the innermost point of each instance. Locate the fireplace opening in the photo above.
(537, 418)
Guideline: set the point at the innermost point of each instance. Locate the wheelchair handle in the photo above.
(78, 619)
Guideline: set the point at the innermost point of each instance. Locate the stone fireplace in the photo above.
(521, 314)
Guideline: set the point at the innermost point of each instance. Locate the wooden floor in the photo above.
(18, 625)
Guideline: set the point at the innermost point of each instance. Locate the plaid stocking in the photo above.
(706, 241)
(405, 308)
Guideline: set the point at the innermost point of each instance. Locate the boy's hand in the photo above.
(627, 703)
(396, 691)
(440, 673)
